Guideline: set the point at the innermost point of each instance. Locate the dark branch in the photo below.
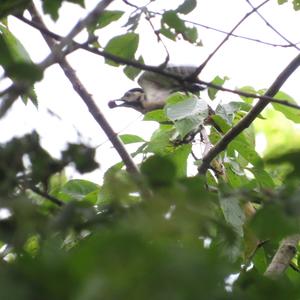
(250, 117)
(45, 195)
(88, 100)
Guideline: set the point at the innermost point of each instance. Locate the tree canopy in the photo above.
(198, 211)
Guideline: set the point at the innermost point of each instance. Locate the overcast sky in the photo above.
(245, 62)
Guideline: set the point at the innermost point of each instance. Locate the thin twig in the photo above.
(250, 116)
(159, 39)
(210, 56)
(47, 196)
(228, 33)
(273, 28)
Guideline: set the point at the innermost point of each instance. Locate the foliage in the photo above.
(167, 234)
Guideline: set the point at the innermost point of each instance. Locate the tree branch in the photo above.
(283, 256)
(273, 28)
(57, 49)
(43, 194)
(251, 116)
(88, 100)
(210, 56)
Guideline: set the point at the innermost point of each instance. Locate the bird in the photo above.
(155, 88)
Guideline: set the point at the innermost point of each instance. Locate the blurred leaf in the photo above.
(172, 25)
(187, 6)
(107, 17)
(218, 81)
(24, 72)
(82, 156)
(263, 178)
(131, 138)
(289, 112)
(242, 146)
(179, 157)
(292, 158)
(77, 190)
(160, 140)
(271, 222)
(157, 115)
(52, 7)
(166, 174)
(8, 7)
(233, 212)
(133, 21)
(132, 72)
(123, 46)
(250, 90)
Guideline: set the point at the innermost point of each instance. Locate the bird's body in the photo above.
(155, 89)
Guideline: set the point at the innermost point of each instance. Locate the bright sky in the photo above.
(245, 62)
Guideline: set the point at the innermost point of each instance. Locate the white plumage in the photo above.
(155, 89)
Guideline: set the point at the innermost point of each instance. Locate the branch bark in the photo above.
(250, 117)
(88, 100)
(283, 256)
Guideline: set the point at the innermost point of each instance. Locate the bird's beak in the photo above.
(116, 103)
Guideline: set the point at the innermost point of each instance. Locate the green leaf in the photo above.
(243, 147)
(271, 222)
(12, 51)
(8, 7)
(160, 140)
(166, 174)
(296, 5)
(167, 33)
(187, 6)
(78, 189)
(187, 114)
(27, 72)
(289, 112)
(235, 179)
(228, 111)
(188, 107)
(179, 157)
(107, 17)
(233, 212)
(290, 157)
(250, 90)
(218, 81)
(82, 156)
(131, 138)
(191, 35)
(263, 179)
(173, 21)
(123, 46)
(52, 7)
(157, 115)
(132, 72)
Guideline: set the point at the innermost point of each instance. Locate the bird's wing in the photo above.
(158, 84)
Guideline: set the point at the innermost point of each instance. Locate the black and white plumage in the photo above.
(155, 89)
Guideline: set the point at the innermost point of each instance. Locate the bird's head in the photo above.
(133, 98)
